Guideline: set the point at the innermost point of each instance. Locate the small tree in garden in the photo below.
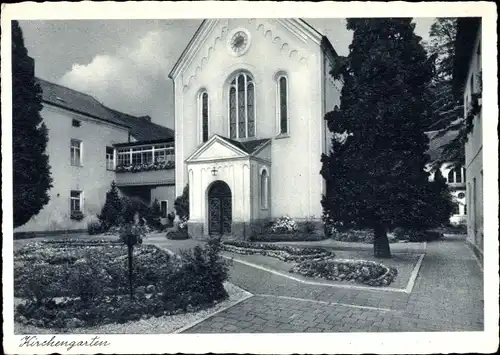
(111, 211)
(375, 173)
(155, 215)
(181, 204)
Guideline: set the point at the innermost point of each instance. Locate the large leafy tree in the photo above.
(447, 110)
(31, 170)
(374, 172)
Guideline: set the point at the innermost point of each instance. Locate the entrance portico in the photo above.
(223, 178)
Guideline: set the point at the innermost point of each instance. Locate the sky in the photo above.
(125, 63)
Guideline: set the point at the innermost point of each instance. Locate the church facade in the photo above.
(250, 100)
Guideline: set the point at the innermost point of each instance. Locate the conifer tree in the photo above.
(31, 170)
(375, 176)
(112, 209)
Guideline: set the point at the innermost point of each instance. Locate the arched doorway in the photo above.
(219, 208)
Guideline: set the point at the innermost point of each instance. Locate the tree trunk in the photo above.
(381, 247)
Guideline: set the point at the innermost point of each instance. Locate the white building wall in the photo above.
(296, 185)
(92, 177)
(473, 157)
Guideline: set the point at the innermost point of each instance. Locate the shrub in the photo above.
(199, 279)
(181, 204)
(413, 235)
(95, 227)
(179, 234)
(353, 235)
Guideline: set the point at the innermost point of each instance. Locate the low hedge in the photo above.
(282, 252)
(417, 235)
(179, 234)
(366, 272)
(91, 284)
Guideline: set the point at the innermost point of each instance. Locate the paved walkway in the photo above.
(447, 296)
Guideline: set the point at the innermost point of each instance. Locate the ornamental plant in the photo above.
(284, 225)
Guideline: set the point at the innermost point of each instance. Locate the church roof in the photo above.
(248, 147)
(298, 25)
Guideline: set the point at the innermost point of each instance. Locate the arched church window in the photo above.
(283, 104)
(242, 106)
(264, 182)
(204, 115)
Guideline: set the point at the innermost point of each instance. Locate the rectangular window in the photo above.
(76, 200)
(76, 152)
(164, 208)
(110, 158)
(123, 157)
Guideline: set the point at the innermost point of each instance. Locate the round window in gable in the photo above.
(461, 195)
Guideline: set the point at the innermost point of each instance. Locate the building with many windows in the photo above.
(90, 146)
(468, 86)
(250, 101)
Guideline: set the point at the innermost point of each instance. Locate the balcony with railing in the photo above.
(145, 164)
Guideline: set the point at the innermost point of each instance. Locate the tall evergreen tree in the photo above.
(31, 170)
(375, 175)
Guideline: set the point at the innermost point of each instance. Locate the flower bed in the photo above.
(287, 237)
(319, 263)
(281, 252)
(76, 283)
(362, 271)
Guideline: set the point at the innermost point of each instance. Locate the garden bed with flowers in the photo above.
(80, 283)
(318, 263)
(285, 229)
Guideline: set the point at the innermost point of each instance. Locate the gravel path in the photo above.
(153, 325)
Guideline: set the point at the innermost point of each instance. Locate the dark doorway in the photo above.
(219, 209)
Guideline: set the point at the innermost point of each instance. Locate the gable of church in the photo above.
(213, 45)
(216, 148)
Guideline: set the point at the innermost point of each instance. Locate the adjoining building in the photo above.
(452, 171)
(90, 146)
(468, 86)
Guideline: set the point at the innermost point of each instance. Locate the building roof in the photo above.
(437, 142)
(76, 101)
(141, 128)
(248, 147)
(467, 31)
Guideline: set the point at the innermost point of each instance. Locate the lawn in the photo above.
(74, 283)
